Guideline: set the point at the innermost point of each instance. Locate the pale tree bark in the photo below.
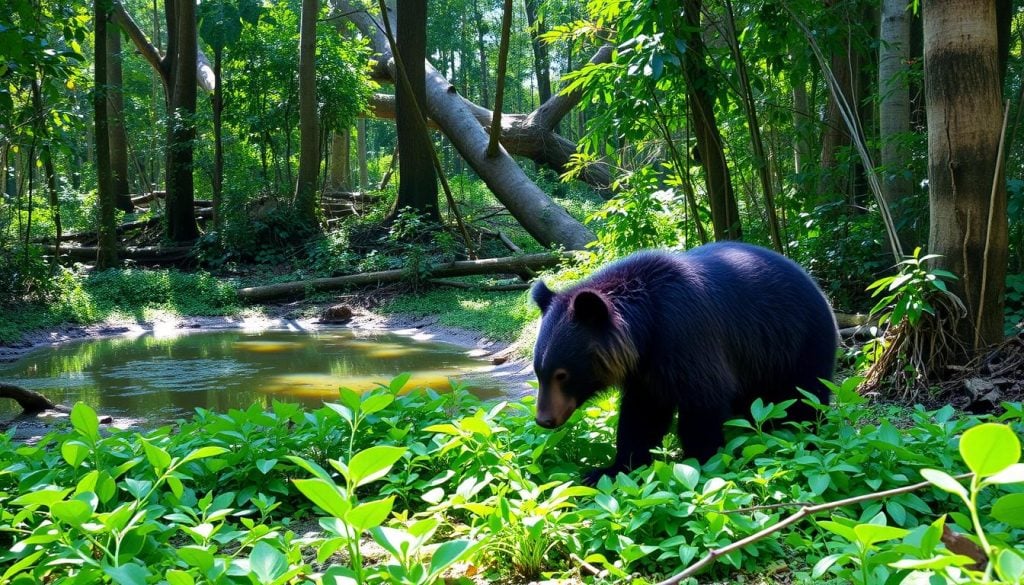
(364, 174)
(485, 82)
(106, 256)
(417, 179)
(547, 222)
(340, 171)
(967, 190)
(801, 125)
(833, 182)
(309, 126)
(115, 115)
(894, 111)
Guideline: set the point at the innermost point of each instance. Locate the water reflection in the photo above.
(163, 378)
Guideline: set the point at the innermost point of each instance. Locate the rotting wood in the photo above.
(144, 254)
(509, 264)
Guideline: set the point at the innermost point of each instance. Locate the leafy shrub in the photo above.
(435, 479)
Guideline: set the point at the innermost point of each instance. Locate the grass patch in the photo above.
(501, 315)
(132, 294)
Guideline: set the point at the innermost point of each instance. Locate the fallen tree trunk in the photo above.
(142, 255)
(30, 402)
(510, 264)
(545, 220)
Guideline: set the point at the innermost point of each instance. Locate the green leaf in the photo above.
(325, 495)
(265, 465)
(476, 425)
(159, 458)
(944, 482)
(448, 554)
(204, 453)
(1009, 510)
(44, 497)
(74, 512)
(176, 577)
(989, 448)
(127, 574)
(373, 463)
(267, 563)
(1010, 566)
(196, 556)
(935, 563)
(869, 534)
(824, 564)
(370, 514)
(840, 529)
(85, 421)
(312, 468)
(1012, 474)
(74, 452)
(399, 382)
(376, 402)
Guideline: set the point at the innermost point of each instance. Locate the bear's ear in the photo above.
(542, 295)
(592, 308)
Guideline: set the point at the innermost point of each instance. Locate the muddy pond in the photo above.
(157, 379)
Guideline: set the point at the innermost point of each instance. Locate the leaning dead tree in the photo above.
(460, 121)
(30, 402)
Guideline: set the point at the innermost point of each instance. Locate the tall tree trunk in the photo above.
(725, 216)
(417, 180)
(181, 126)
(340, 171)
(217, 105)
(541, 60)
(835, 183)
(364, 175)
(481, 31)
(309, 132)
(801, 124)
(894, 111)
(107, 244)
(968, 208)
(115, 118)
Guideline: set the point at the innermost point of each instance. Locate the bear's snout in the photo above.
(546, 421)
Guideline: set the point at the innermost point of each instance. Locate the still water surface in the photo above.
(160, 379)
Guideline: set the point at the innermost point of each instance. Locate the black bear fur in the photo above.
(702, 333)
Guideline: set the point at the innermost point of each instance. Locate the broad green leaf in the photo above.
(935, 563)
(73, 512)
(325, 495)
(476, 425)
(197, 556)
(373, 463)
(312, 468)
(74, 452)
(376, 402)
(159, 458)
(370, 514)
(824, 564)
(1012, 474)
(267, 563)
(1009, 510)
(44, 497)
(127, 574)
(945, 482)
(399, 382)
(989, 448)
(85, 421)
(448, 554)
(869, 534)
(204, 453)
(840, 529)
(265, 465)
(1010, 566)
(176, 577)
(688, 475)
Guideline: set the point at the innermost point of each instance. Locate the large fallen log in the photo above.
(510, 264)
(142, 255)
(30, 402)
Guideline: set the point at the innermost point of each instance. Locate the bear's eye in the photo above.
(561, 376)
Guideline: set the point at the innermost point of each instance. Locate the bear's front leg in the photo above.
(643, 422)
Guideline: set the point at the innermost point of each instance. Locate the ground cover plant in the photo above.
(413, 488)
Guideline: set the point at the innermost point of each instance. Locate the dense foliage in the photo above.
(448, 485)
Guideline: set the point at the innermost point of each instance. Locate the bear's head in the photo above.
(582, 348)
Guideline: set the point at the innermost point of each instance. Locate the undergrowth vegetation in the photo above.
(450, 487)
(128, 293)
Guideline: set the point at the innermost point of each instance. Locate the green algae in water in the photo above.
(159, 379)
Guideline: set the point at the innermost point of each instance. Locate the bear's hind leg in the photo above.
(643, 423)
(701, 430)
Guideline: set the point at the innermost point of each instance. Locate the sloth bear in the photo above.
(702, 333)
